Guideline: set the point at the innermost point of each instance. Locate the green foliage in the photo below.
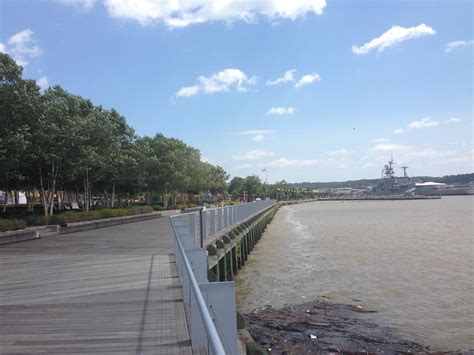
(56, 141)
(252, 185)
(11, 224)
(73, 216)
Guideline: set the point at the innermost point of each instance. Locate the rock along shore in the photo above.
(324, 327)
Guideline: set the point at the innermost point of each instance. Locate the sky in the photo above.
(308, 90)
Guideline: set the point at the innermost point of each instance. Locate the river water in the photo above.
(412, 261)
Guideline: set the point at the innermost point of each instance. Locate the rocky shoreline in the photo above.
(324, 327)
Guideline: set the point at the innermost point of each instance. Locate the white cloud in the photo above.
(398, 131)
(257, 135)
(188, 91)
(257, 131)
(454, 120)
(43, 82)
(283, 162)
(430, 152)
(340, 152)
(255, 154)
(423, 123)
(258, 138)
(22, 47)
(380, 140)
(455, 44)
(84, 4)
(287, 77)
(223, 81)
(281, 111)
(307, 79)
(245, 166)
(394, 35)
(394, 148)
(187, 12)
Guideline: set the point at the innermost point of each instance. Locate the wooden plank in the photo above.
(110, 290)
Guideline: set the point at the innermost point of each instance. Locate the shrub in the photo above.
(11, 224)
(79, 216)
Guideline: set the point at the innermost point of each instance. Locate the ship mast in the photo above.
(404, 171)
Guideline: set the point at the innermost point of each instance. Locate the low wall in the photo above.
(106, 222)
(18, 236)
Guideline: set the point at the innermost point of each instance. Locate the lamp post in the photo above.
(266, 182)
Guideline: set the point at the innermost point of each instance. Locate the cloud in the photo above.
(281, 111)
(394, 148)
(307, 79)
(340, 152)
(287, 77)
(455, 44)
(257, 135)
(223, 81)
(398, 131)
(257, 131)
(176, 14)
(423, 123)
(258, 138)
(84, 4)
(283, 162)
(255, 154)
(290, 77)
(454, 120)
(22, 47)
(43, 82)
(188, 91)
(394, 35)
(429, 152)
(380, 140)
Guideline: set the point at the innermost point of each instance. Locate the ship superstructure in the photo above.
(389, 184)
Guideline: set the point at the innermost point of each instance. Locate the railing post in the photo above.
(192, 224)
(202, 215)
(212, 222)
(226, 216)
(219, 219)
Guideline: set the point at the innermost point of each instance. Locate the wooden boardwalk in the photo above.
(112, 290)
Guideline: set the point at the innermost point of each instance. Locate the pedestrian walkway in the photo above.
(111, 290)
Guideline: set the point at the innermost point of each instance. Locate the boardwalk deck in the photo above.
(112, 290)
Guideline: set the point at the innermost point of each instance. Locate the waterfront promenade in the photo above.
(110, 290)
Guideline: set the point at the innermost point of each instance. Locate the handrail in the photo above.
(213, 335)
(217, 220)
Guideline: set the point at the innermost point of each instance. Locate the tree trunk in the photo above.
(44, 199)
(113, 196)
(5, 202)
(86, 192)
(53, 188)
(165, 200)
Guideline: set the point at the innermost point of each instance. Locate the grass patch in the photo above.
(11, 224)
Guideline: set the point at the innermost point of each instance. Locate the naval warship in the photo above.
(389, 184)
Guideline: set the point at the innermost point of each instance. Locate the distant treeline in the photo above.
(448, 179)
(56, 146)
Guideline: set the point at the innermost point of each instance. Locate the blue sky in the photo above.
(364, 79)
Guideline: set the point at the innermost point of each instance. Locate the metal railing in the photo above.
(210, 307)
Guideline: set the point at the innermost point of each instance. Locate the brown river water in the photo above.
(412, 261)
